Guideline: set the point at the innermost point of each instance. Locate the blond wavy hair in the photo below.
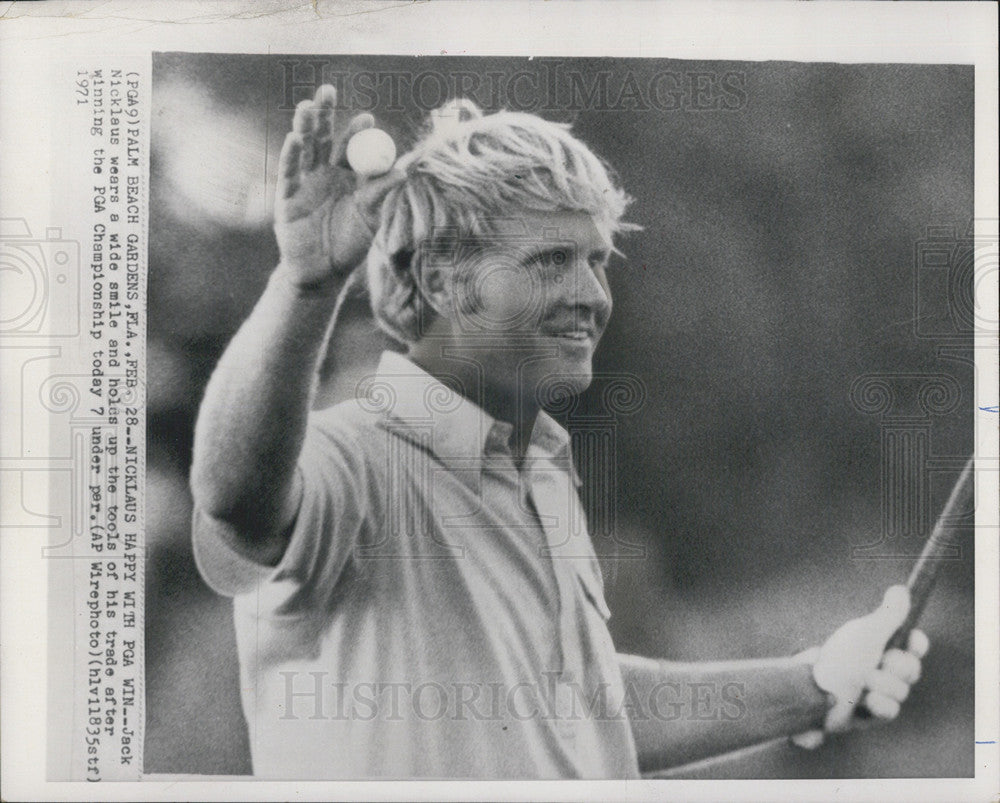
(467, 170)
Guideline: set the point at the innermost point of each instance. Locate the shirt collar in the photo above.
(419, 407)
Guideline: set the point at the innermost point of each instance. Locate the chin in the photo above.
(563, 379)
(580, 375)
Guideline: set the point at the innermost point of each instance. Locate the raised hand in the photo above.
(324, 215)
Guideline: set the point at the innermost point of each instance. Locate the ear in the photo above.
(434, 281)
(433, 274)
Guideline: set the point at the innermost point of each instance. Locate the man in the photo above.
(415, 592)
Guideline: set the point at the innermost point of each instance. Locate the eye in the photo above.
(554, 258)
(598, 259)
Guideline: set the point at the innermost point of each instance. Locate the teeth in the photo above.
(574, 335)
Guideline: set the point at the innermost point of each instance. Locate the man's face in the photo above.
(533, 302)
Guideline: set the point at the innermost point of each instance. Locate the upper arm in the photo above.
(321, 517)
(267, 547)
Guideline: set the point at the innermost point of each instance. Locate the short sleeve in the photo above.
(332, 511)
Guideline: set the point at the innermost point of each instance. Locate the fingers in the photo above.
(809, 740)
(885, 684)
(889, 686)
(304, 124)
(312, 144)
(314, 121)
(918, 643)
(840, 716)
(904, 665)
(325, 103)
(895, 606)
(288, 165)
(881, 706)
(304, 120)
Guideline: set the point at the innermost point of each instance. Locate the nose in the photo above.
(591, 292)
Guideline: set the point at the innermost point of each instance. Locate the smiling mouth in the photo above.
(578, 335)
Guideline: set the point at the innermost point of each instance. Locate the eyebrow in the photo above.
(535, 252)
(604, 254)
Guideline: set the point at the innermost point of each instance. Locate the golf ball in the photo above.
(371, 152)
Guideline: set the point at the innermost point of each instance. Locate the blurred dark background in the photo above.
(783, 205)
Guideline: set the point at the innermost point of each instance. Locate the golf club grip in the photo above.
(921, 579)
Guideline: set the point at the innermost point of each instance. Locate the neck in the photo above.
(499, 401)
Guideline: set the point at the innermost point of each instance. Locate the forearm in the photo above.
(683, 712)
(253, 418)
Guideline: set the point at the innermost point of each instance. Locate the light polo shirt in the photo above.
(438, 612)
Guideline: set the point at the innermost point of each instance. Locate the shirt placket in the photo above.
(551, 494)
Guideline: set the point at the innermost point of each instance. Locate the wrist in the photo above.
(809, 659)
(815, 736)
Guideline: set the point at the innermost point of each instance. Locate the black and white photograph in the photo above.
(557, 418)
(499, 400)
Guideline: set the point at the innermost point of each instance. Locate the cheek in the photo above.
(503, 298)
(602, 280)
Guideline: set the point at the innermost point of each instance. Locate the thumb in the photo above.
(888, 617)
